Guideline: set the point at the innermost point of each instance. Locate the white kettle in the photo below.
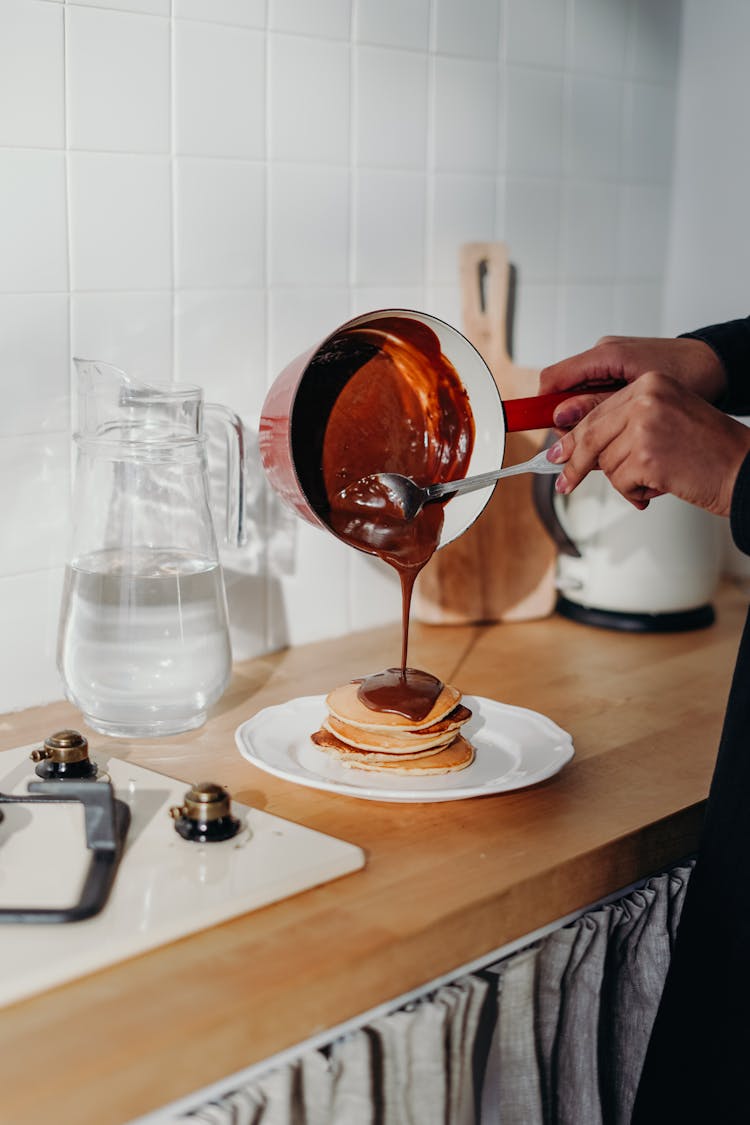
(650, 571)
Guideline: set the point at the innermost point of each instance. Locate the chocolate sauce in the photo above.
(387, 400)
(405, 691)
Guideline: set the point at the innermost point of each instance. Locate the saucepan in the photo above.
(298, 404)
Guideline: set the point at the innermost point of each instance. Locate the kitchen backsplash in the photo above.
(198, 190)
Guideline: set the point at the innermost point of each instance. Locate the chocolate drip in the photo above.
(391, 403)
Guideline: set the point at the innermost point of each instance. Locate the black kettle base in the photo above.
(679, 622)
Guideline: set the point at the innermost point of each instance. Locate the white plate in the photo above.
(514, 748)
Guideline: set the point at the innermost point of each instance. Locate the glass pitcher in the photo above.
(143, 644)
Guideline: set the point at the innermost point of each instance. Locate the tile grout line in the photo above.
(562, 279)
(430, 155)
(268, 629)
(65, 16)
(173, 345)
(351, 280)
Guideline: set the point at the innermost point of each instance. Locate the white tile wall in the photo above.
(34, 350)
(146, 7)
(219, 91)
(464, 209)
(584, 308)
(467, 27)
(219, 223)
(308, 242)
(534, 116)
(35, 507)
(648, 124)
(330, 19)
(399, 258)
(201, 189)
(117, 81)
(535, 32)
(34, 254)
(29, 607)
(655, 38)
(589, 230)
(394, 23)
(132, 329)
(119, 221)
(31, 76)
(310, 94)
(220, 343)
(594, 141)
(234, 13)
(385, 136)
(535, 322)
(709, 235)
(599, 35)
(466, 107)
(532, 222)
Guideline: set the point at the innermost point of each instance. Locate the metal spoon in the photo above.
(399, 498)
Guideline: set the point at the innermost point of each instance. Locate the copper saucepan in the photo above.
(290, 442)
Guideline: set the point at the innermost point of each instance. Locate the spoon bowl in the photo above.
(395, 498)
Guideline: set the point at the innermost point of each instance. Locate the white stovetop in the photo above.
(165, 887)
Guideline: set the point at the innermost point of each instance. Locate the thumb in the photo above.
(570, 412)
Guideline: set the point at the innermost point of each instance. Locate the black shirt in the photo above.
(697, 1068)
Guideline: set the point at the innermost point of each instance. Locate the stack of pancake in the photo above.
(383, 741)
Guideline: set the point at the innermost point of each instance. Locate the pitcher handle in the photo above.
(236, 472)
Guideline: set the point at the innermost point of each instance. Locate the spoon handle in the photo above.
(538, 464)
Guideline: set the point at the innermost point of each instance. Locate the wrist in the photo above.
(707, 376)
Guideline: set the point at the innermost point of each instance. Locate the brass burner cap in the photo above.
(206, 801)
(64, 746)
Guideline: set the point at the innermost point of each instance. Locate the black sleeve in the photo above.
(695, 1070)
(739, 514)
(731, 343)
(702, 1031)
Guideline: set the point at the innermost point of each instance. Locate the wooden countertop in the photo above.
(444, 884)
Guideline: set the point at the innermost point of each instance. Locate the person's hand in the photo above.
(626, 358)
(652, 437)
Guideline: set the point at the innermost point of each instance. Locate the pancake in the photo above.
(324, 739)
(345, 705)
(450, 759)
(395, 741)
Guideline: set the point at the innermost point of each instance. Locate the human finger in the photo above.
(601, 364)
(573, 410)
(580, 449)
(636, 477)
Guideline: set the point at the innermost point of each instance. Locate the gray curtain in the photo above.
(552, 1035)
(575, 1012)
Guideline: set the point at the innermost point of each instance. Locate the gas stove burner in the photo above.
(65, 757)
(106, 821)
(206, 814)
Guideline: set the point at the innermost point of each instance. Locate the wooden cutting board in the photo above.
(503, 567)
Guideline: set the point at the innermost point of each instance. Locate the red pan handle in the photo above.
(535, 413)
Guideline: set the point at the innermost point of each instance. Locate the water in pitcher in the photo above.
(144, 646)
